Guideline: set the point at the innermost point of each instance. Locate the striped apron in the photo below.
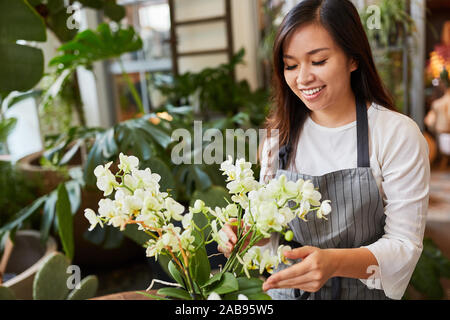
(357, 218)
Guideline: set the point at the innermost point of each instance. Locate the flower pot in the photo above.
(26, 259)
(92, 255)
(48, 177)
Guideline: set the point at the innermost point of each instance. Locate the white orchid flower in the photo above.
(92, 218)
(199, 206)
(187, 240)
(187, 220)
(324, 210)
(228, 169)
(242, 297)
(119, 221)
(127, 163)
(174, 209)
(107, 208)
(106, 181)
(214, 296)
(219, 235)
(280, 254)
(268, 262)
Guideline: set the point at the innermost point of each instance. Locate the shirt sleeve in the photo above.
(405, 187)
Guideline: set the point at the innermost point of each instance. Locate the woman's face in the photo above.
(316, 69)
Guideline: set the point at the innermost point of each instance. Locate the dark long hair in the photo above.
(341, 19)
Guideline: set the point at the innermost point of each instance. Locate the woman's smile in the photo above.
(312, 94)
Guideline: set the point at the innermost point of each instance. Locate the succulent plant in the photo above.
(50, 282)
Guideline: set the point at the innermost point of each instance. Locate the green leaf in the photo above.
(167, 181)
(251, 288)
(50, 282)
(6, 293)
(114, 11)
(6, 127)
(88, 289)
(215, 278)
(176, 274)
(200, 267)
(227, 284)
(104, 148)
(21, 67)
(48, 216)
(19, 21)
(175, 293)
(22, 215)
(131, 231)
(158, 136)
(65, 221)
(151, 296)
(202, 180)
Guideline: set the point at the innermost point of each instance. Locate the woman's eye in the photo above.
(291, 67)
(319, 63)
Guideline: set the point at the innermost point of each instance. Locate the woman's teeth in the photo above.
(313, 91)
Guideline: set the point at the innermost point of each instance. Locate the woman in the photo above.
(337, 128)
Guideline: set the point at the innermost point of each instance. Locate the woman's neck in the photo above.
(338, 114)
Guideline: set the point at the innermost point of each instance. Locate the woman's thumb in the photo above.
(299, 253)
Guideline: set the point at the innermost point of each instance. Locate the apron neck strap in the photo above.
(362, 127)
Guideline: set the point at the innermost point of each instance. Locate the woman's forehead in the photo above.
(307, 39)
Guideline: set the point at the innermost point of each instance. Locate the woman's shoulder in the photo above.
(395, 135)
(393, 124)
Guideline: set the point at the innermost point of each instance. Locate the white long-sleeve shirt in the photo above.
(399, 163)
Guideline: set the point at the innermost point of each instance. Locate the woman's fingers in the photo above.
(230, 233)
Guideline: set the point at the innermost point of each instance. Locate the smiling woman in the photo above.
(338, 128)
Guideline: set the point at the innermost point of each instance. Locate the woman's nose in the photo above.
(304, 77)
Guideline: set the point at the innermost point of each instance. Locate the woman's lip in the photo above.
(314, 96)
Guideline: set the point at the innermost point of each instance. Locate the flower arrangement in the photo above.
(256, 210)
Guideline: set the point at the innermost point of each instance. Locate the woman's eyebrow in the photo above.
(309, 53)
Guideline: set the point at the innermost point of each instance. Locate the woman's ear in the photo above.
(353, 64)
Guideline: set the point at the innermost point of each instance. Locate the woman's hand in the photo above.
(317, 266)
(231, 231)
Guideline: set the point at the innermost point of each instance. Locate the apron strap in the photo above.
(283, 155)
(362, 127)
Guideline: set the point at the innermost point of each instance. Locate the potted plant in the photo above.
(139, 201)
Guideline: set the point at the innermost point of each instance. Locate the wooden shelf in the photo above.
(200, 21)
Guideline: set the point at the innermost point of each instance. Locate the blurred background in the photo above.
(82, 81)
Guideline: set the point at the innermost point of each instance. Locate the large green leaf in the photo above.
(228, 283)
(19, 21)
(50, 282)
(89, 46)
(251, 288)
(21, 67)
(200, 267)
(178, 293)
(65, 221)
(48, 216)
(176, 274)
